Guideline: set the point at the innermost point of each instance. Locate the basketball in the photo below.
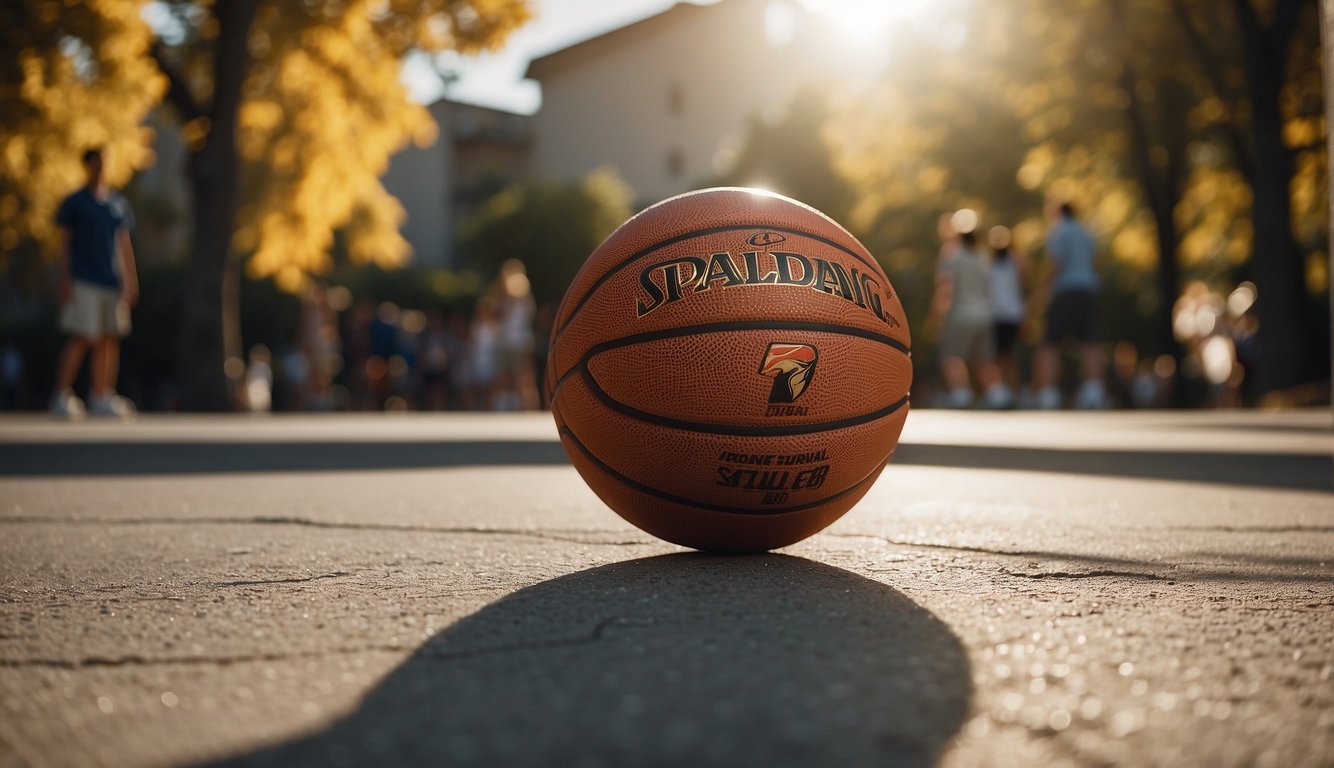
(729, 370)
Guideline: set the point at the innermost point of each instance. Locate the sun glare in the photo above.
(864, 21)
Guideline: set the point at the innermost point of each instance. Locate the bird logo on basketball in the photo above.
(792, 366)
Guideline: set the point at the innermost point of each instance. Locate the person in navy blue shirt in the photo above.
(98, 287)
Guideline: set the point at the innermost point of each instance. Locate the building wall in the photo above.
(432, 182)
(160, 195)
(420, 178)
(663, 101)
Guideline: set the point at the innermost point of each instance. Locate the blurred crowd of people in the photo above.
(359, 355)
(1001, 333)
(990, 312)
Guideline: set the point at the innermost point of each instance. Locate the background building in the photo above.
(478, 151)
(665, 101)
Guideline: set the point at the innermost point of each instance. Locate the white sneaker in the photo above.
(112, 406)
(998, 397)
(1092, 396)
(1048, 399)
(67, 405)
(959, 398)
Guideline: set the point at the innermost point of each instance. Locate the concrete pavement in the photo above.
(1017, 589)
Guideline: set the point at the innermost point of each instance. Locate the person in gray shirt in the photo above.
(1072, 287)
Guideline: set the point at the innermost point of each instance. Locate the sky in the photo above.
(496, 79)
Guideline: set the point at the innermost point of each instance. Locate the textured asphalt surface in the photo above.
(1017, 589)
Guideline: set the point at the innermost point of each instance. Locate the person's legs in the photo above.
(1007, 360)
(1092, 390)
(1045, 361)
(958, 393)
(105, 367)
(71, 358)
(995, 395)
(954, 350)
(64, 403)
(956, 373)
(1092, 362)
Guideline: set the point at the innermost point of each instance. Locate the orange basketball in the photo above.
(730, 370)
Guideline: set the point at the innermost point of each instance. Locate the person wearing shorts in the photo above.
(962, 298)
(1008, 272)
(1073, 286)
(98, 287)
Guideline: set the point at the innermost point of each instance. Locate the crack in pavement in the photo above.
(1103, 574)
(976, 550)
(567, 536)
(1224, 566)
(220, 661)
(1251, 528)
(597, 634)
(295, 580)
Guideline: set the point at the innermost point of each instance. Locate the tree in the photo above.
(291, 111)
(1110, 103)
(791, 156)
(551, 226)
(1291, 347)
(77, 76)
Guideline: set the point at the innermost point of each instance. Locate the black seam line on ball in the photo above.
(665, 496)
(738, 325)
(735, 430)
(700, 233)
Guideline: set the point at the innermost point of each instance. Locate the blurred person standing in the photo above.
(457, 334)
(11, 377)
(484, 352)
(321, 345)
(546, 319)
(518, 311)
(434, 362)
(963, 300)
(295, 378)
(1071, 287)
(384, 334)
(356, 348)
(98, 287)
(259, 380)
(1009, 271)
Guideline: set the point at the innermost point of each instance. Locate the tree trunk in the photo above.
(1161, 188)
(1326, 41)
(1279, 278)
(1286, 347)
(210, 328)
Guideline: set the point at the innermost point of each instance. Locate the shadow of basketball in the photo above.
(686, 659)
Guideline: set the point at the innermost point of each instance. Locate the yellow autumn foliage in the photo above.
(323, 110)
(74, 76)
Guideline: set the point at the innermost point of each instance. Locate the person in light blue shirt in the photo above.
(1072, 289)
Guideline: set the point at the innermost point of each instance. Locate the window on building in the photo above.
(676, 99)
(676, 163)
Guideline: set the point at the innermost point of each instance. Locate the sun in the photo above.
(863, 21)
